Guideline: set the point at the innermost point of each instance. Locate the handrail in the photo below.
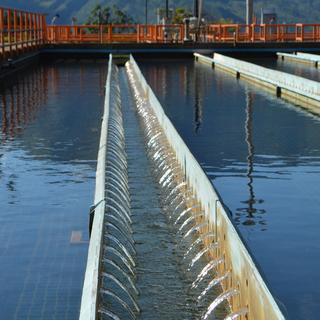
(20, 31)
(158, 33)
(89, 300)
(25, 31)
(19, 10)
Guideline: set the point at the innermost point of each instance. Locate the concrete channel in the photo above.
(194, 213)
(298, 90)
(301, 57)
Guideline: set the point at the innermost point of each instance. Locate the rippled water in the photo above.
(49, 138)
(263, 156)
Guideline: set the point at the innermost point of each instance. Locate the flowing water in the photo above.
(155, 279)
(49, 139)
(263, 156)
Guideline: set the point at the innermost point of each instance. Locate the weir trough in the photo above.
(301, 57)
(202, 215)
(299, 90)
(89, 303)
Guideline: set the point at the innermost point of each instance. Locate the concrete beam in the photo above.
(300, 57)
(296, 89)
(89, 299)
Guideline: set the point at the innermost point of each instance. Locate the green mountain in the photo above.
(288, 10)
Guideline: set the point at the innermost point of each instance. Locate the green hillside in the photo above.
(288, 11)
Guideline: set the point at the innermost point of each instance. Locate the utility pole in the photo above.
(146, 13)
(249, 11)
(196, 8)
(167, 10)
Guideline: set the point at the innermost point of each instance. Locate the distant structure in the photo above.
(54, 19)
(162, 17)
(268, 16)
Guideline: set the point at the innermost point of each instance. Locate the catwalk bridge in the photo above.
(24, 32)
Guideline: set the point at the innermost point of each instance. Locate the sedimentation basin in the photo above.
(292, 163)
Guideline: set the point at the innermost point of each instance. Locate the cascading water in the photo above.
(118, 293)
(168, 246)
(158, 246)
(203, 278)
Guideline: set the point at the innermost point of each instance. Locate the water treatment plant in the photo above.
(159, 171)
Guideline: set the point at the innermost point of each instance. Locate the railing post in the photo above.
(44, 30)
(20, 30)
(182, 35)
(15, 28)
(30, 30)
(35, 25)
(34, 35)
(2, 33)
(38, 29)
(9, 30)
(138, 33)
(23, 30)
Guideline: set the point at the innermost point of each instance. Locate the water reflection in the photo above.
(50, 119)
(21, 102)
(198, 98)
(251, 210)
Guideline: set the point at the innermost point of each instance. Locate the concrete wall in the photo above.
(299, 90)
(300, 57)
(312, 57)
(253, 292)
(91, 282)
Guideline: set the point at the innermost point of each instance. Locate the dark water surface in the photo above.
(263, 156)
(49, 140)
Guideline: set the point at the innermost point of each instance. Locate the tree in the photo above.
(105, 15)
(180, 14)
(120, 17)
(225, 21)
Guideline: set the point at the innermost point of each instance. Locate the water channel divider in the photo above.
(299, 90)
(301, 57)
(245, 277)
(89, 301)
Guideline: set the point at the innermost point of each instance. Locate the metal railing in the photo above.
(120, 33)
(20, 31)
(175, 33)
(263, 32)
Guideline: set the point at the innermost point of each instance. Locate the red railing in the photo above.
(175, 33)
(133, 33)
(262, 33)
(20, 31)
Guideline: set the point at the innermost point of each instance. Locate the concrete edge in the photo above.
(89, 299)
(298, 57)
(302, 89)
